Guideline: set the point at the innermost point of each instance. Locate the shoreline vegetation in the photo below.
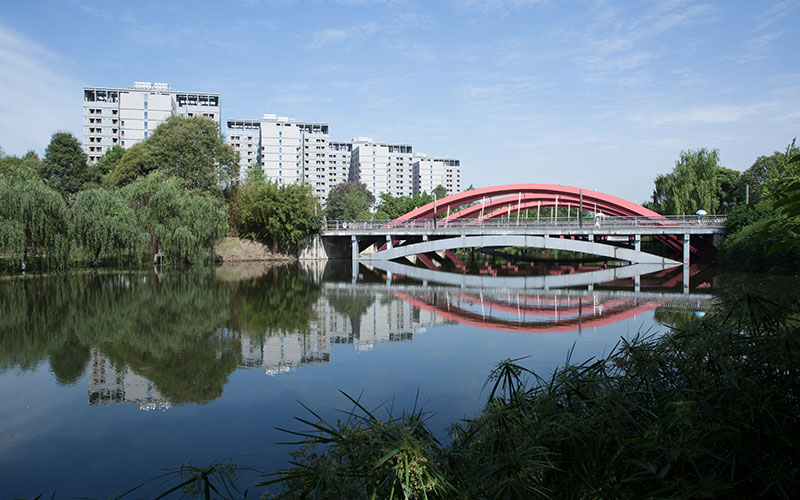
(177, 195)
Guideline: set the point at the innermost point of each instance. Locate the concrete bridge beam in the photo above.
(588, 247)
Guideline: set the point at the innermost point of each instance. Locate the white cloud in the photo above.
(486, 6)
(775, 12)
(342, 36)
(755, 48)
(37, 100)
(709, 114)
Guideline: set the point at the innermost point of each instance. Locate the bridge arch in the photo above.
(512, 194)
(498, 201)
(518, 240)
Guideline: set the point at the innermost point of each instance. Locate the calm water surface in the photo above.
(107, 379)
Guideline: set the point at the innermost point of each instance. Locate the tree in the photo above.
(349, 201)
(191, 149)
(28, 162)
(393, 207)
(184, 224)
(101, 220)
(64, 166)
(439, 192)
(285, 215)
(109, 160)
(693, 184)
(33, 219)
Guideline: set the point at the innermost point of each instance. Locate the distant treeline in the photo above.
(762, 204)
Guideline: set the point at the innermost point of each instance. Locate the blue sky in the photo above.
(597, 94)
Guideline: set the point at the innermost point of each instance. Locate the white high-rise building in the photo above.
(293, 152)
(244, 136)
(432, 172)
(339, 154)
(126, 116)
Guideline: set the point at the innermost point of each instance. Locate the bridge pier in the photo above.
(686, 248)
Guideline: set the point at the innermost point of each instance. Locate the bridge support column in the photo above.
(637, 283)
(686, 249)
(354, 247)
(591, 237)
(637, 242)
(389, 241)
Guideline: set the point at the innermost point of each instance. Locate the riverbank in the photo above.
(235, 249)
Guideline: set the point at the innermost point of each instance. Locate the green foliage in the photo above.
(101, 220)
(710, 410)
(391, 207)
(697, 182)
(183, 224)
(349, 201)
(191, 149)
(64, 166)
(109, 160)
(440, 192)
(29, 162)
(766, 236)
(769, 174)
(365, 456)
(33, 220)
(285, 215)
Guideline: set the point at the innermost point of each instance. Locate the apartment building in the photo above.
(290, 151)
(339, 157)
(384, 168)
(432, 172)
(126, 116)
(244, 136)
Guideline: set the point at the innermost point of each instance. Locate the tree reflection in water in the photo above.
(157, 342)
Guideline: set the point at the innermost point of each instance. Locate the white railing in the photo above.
(599, 222)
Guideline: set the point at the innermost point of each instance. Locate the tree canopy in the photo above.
(349, 201)
(392, 207)
(28, 162)
(109, 160)
(696, 183)
(64, 166)
(439, 192)
(184, 224)
(33, 219)
(285, 215)
(191, 149)
(101, 220)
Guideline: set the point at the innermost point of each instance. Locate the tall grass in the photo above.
(711, 410)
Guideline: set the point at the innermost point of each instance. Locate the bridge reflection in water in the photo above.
(394, 303)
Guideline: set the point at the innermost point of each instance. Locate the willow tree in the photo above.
(182, 223)
(692, 185)
(33, 220)
(101, 221)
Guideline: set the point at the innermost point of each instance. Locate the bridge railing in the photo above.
(596, 222)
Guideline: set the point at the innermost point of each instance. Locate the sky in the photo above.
(596, 94)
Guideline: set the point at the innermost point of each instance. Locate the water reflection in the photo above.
(154, 342)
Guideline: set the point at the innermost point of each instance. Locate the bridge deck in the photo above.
(562, 226)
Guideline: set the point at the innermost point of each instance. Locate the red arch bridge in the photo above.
(544, 216)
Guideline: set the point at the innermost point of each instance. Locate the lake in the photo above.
(108, 379)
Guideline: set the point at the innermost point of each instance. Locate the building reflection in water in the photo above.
(390, 306)
(109, 384)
